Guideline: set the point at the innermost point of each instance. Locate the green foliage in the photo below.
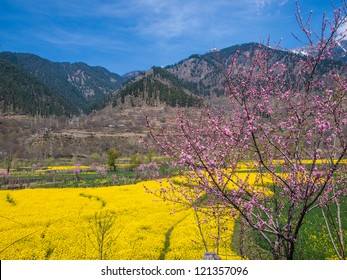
(112, 154)
(22, 93)
(64, 80)
(313, 244)
(10, 200)
(97, 198)
(136, 160)
(161, 86)
(95, 157)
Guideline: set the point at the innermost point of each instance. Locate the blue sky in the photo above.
(129, 35)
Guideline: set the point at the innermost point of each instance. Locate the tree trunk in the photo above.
(242, 237)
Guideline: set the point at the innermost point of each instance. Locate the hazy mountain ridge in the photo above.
(132, 75)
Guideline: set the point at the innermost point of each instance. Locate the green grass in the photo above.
(10, 200)
(313, 242)
(67, 179)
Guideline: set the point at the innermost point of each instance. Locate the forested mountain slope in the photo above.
(23, 93)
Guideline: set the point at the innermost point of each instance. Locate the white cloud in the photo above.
(161, 24)
(70, 39)
(261, 4)
(342, 31)
(170, 21)
(159, 18)
(264, 6)
(164, 19)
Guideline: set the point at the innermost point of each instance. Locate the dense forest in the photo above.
(23, 93)
(87, 87)
(159, 87)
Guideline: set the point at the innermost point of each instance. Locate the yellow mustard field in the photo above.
(61, 224)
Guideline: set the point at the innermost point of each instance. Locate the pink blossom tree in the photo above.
(76, 171)
(5, 175)
(147, 171)
(287, 124)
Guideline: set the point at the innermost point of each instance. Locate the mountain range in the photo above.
(33, 85)
(82, 87)
(200, 77)
(339, 53)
